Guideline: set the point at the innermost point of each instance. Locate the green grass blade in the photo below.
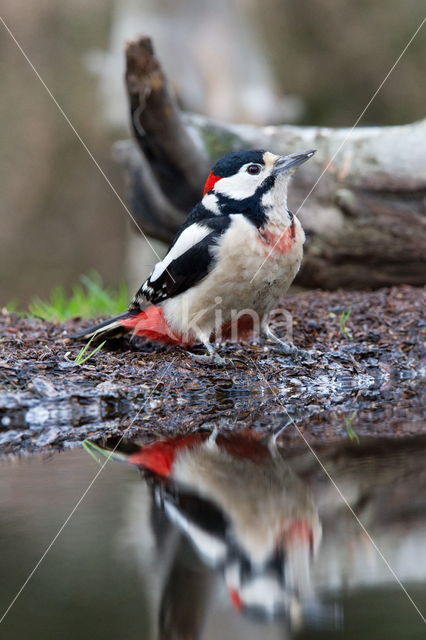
(352, 434)
(81, 357)
(92, 449)
(87, 300)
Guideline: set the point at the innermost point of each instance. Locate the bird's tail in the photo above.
(149, 323)
(111, 328)
(158, 457)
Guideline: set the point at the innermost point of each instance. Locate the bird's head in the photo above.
(248, 177)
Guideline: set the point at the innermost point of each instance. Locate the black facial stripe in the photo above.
(232, 162)
(251, 207)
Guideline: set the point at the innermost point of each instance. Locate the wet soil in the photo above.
(362, 377)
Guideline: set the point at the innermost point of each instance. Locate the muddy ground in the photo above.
(363, 377)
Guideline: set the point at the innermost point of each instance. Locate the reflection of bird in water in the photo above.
(245, 512)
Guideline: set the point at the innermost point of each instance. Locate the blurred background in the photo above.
(266, 62)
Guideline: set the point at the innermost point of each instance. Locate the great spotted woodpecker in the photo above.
(230, 262)
(245, 511)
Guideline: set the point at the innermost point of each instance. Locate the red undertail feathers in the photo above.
(152, 325)
(149, 323)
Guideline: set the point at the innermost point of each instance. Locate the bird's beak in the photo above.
(284, 163)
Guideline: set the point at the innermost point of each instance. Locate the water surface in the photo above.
(216, 537)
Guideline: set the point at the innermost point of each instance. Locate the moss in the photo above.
(219, 141)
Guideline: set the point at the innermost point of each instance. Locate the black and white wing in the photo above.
(188, 261)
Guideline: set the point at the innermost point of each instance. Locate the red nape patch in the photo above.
(210, 182)
(235, 599)
(160, 456)
(279, 242)
(152, 325)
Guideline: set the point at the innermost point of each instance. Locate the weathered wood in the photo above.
(159, 128)
(362, 197)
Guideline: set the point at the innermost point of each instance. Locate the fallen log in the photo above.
(362, 197)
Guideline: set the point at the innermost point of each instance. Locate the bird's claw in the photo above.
(291, 350)
(213, 359)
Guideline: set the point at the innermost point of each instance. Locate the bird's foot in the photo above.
(289, 349)
(213, 359)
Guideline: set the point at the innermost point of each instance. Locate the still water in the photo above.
(216, 536)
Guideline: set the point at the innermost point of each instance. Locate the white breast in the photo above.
(244, 277)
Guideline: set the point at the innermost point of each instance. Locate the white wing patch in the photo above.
(187, 239)
(147, 289)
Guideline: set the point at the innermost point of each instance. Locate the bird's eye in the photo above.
(253, 169)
